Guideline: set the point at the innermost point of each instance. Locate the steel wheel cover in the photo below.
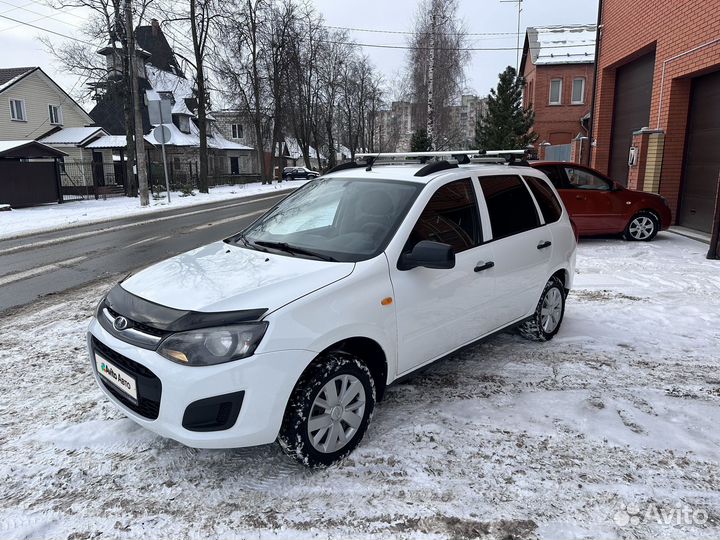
(641, 227)
(336, 414)
(551, 310)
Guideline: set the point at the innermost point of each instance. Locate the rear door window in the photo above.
(546, 199)
(450, 217)
(510, 206)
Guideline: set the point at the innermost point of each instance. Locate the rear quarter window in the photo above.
(510, 205)
(547, 201)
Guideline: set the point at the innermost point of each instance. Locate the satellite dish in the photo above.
(162, 134)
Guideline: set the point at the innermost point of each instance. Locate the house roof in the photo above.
(73, 135)
(562, 44)
(108, 141)
(178, 138)
(9, 76)
(28, 148)
(152, 39)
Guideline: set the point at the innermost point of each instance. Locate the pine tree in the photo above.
(505, 125)
(420, 142)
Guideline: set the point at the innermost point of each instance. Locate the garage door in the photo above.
(702, 155)
(633, 91)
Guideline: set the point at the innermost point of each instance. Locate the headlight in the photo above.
(210, 346)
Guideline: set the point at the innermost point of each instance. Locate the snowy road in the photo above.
(575, 438)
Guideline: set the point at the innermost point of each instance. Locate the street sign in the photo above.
(159, 107)
(162, 134)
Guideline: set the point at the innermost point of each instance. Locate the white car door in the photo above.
(439, 310)
(522, 243)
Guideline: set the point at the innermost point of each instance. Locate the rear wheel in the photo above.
(642, 227)
(329, 410)
(548, 316)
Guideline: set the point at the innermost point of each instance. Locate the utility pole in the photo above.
(140, 161)
(430, 128)
(517, 42)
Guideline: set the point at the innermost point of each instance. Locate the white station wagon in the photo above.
(292, 329)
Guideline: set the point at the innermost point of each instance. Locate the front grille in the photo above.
(149, 387)
(140, 326)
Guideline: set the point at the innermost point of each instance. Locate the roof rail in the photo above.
(436, 166)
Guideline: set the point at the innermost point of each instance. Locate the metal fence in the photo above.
(91, 179)
(185, 176)
(558, 152)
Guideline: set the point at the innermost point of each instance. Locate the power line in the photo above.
(42, 16)
(408, 47)
(404, 32)
(23, 23)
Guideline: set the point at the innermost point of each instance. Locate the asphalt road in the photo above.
(48, 263)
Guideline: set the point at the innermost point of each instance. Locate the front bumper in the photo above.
(266, 380)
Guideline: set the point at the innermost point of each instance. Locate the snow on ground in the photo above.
(575, 438)
(58, 216)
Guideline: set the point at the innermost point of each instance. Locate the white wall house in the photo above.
(34, 107)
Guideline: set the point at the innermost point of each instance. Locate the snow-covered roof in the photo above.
(295, 152)
(570, 44)
(178, 138)
(108, 141)
(164, 81)
(180, 107)
(9, 76)
(73, 135)
(26, 147)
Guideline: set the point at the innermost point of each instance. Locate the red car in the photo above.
(599, 206)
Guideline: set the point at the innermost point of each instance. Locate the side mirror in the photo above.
(428, 254)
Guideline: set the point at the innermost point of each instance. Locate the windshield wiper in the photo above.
(240, 237)
(284, 246)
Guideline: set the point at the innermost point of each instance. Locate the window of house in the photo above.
(17, 110)
(510, 205)
(237, 131)
(555, 91)
(450, 217)
(56, 116)
(578, 91)
(234, 165)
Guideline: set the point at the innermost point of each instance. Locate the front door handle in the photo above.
(543, 245)
(484, 266)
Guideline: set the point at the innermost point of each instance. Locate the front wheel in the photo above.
(642, 227)
(329, 410)
(548, 316)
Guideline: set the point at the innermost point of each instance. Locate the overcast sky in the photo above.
(19, 45)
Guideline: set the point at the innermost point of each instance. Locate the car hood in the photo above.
(224, 277)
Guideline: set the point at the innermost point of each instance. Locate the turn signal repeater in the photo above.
(386, 301)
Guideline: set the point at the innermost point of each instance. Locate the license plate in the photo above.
(116, 376)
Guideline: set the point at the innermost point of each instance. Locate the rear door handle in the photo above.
(484, 266)
(543, 245)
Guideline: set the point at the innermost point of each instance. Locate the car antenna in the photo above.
(370, 162)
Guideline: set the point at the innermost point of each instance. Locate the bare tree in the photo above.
(437, 44)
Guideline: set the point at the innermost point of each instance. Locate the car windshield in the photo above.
(336, 219)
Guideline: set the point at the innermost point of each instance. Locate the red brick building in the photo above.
(659, 69)
(558, 68)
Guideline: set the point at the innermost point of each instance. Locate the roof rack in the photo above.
(456, 157)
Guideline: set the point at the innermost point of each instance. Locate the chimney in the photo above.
(155, 27)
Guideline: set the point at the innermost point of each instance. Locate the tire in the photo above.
(549, 313)
(642, 227)
(323, 446)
